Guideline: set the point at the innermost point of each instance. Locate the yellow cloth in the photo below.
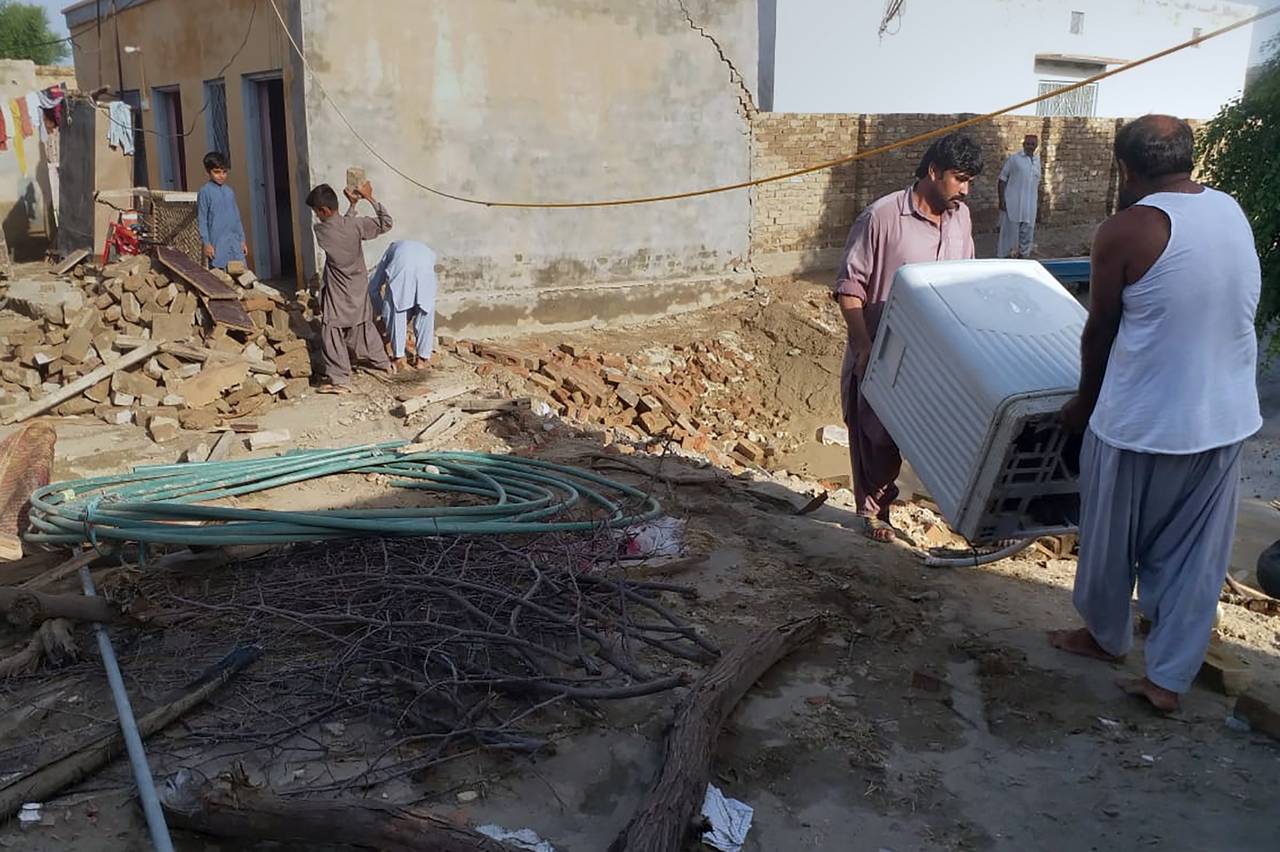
(17, 137)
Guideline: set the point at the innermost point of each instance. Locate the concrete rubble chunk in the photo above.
(163, 429)
(833, 436)
(269, 438)
(212, 382)
(53, 301)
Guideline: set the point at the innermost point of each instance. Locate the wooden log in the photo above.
(54, 642)
(25, 609)
(75, 766)
(230, 808)
(83, 383)
(666, 813)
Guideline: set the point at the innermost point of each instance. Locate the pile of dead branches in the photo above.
(456, 644)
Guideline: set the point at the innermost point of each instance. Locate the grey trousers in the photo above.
(363, 339)
(1167, 523)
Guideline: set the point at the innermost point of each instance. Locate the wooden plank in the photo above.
(229, 312)
(202, 280)
(71, 261)
(64, 570)
(417, 403)
(83, 383)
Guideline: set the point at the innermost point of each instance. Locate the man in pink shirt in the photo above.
(926, 221)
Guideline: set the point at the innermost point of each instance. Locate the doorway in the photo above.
(268, 154)
(170, 140)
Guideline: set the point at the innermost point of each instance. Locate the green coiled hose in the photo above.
(170, 504)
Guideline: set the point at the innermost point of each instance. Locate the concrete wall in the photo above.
(24, 212)
(546, 100)
(941, 56)
(181, 48)
(801, 223)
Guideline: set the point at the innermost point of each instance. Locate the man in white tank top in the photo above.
(1168, 394)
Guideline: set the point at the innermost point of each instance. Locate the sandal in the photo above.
(881, 532)
(333, 390)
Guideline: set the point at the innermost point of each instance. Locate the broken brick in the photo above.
(654, 422)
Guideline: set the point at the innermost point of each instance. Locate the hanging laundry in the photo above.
(15, 109)
(51, 101)
(24, 118)
(33, 113)
(120, 127)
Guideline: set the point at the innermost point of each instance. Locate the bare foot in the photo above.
(1161, 699)
(1080, 642)
(400, 364)
(880, 531)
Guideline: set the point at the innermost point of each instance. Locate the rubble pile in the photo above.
(692, 395)
(208, 363)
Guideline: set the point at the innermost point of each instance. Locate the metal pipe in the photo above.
(129, 729)
(978, 559)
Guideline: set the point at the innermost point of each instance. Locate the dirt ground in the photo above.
(930, 715)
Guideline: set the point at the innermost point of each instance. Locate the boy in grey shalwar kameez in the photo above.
(1168, 392)
(346, 320)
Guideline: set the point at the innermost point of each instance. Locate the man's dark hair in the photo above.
(1156, 145)
(958, 151)
(215, 160)
(322, 196)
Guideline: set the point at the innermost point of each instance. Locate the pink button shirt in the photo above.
(889, 233)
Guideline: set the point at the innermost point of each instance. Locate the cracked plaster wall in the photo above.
(548, 100)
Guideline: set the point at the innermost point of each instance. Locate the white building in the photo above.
(949, 56)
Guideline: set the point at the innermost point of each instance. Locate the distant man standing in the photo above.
(1168, 394)
(1019, 191)
(926, 221)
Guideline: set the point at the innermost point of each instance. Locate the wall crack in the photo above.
(745, 101)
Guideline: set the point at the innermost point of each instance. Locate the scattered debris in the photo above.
(690, 397)
(231, 807)
(26, 461)
(1260, 708)
(75, 766)
(833, 436)
(473, 643)
(730, 821)
(1223, 670)
(667, 810)
(126, 344)
(524, 839)
(272, 438)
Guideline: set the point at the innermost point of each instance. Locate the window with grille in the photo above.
(1082, 102)
(215, 117)
(1077, 23)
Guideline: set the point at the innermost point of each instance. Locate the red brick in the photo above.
(654, 422)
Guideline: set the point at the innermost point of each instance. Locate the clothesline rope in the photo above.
(730, 187)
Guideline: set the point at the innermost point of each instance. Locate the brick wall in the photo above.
(804, 219)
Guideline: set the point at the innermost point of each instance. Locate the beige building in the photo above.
(25, 189)
(199, 82)
(548, 101)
